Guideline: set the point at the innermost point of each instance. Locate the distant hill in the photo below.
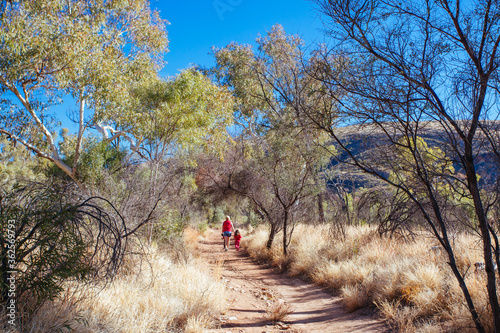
(370, 142)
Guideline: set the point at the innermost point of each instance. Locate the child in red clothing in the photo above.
(237, 239)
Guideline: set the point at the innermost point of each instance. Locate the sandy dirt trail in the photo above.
(254, 288)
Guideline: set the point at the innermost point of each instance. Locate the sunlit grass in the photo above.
(410, 283)
(156, 295)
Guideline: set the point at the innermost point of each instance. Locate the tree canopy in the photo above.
(184, 112)
(89, 50)
(283, 152)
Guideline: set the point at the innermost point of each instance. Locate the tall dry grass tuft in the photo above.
(158, 297)
(410, 282)
(304, 250)
(255, 244)
(279, 311)
(217, 271)
(354, 297)
(191, 237)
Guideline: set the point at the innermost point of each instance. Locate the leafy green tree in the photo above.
(174, 119)
(287, 170)
(97, 158)
(432, 158)
(284, 152)
(180, 114)
(89, 50)
(278, 186)
(15, 162)
(448, 191)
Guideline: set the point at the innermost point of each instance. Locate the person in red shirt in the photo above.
(237, 239)
(227, 228)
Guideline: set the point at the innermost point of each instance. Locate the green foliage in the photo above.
(253, 219)
(15, 163)
(202, 227)
(234, 68)
(89, 50)
(282, 150)
(268, 87)
(273, 86)
(411, 152)
(183, 113)
(94, 47)
(171, 224)
(219, 215)
(416, 164)
(98, 157)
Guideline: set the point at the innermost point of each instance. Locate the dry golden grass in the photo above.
(191, 237)
(304, 250)
(279, 311)
(158, 297)
(411, 284)
(255, 245)
(217, 271)
(354, 297)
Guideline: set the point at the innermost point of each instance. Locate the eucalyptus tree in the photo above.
(181, 113)
(414, 69)
(172, 119)
(285, 152)
(278, 185)
(15, 161)
(88, 51)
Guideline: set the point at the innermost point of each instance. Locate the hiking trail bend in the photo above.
(254, 289)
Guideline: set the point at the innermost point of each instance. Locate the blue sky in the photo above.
(196, 26)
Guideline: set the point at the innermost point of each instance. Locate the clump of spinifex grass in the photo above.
(409, 281)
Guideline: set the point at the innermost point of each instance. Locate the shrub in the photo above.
(279, 311)
(57, 237)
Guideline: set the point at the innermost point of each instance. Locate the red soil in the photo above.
(253, 289)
